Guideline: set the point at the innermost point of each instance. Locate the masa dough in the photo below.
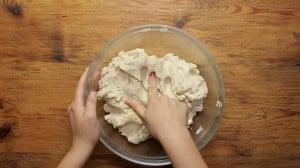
(127, 76)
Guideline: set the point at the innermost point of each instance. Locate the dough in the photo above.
(127, 76)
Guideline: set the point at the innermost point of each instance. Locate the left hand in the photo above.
(83, 119)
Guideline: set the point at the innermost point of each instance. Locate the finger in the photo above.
(78, 100)
(91, 104)
(97, 77)
(71, 115)
(182, 106)
(136, 106)
(172, 101)
(70, 108)
(152, 87)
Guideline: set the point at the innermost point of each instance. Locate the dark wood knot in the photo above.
(5, 130)
(12, 6)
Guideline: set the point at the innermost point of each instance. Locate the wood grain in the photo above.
(256, 44)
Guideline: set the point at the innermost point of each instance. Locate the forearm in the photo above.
(76, 157)
(181, 149)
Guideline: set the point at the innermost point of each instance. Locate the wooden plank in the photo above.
(256, 45)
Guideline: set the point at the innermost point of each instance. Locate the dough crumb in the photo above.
(219, 104)
(199, 130)
(127, 76)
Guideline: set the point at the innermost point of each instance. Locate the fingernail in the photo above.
(152, 73)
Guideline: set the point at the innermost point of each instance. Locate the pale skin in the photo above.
(85, 128)
(165, 118)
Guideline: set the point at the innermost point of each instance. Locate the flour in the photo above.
(127, 76)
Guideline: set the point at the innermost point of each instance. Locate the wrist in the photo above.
(181, 148)
(172, 134)
(77, 155)
(82, 147)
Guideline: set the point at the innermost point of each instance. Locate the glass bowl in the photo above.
(159, 40)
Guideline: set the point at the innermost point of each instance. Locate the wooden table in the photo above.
(44, 50)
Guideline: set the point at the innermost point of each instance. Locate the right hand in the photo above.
(163, 114)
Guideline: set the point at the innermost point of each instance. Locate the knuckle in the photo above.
(151, 86)
(133, 103)
(152, 81)
(70, 108)
(138, 108)
(133, 106)
(92, 98)
(165, 97)
(90, 116)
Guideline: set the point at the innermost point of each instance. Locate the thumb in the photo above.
(91, 104)
(136, 106)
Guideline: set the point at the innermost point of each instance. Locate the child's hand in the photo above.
(163, 114)
(83, 119)
(85, 127)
